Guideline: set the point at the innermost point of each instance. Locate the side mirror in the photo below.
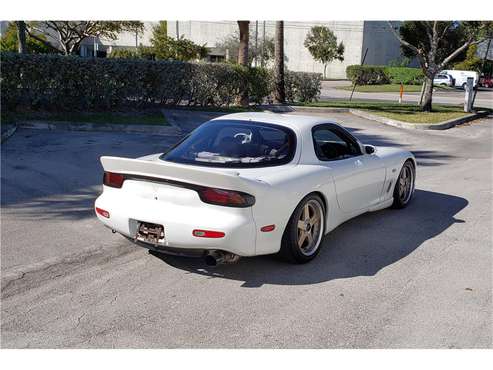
(369, 149)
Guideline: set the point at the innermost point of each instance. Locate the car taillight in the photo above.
(115, 180)
(227, 198)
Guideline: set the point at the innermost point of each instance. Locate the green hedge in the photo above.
(55, 82)
(367, 75)
(405, 75)
(378, 75)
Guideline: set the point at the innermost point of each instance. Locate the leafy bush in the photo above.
(379, 75)
(405, 75)
(302, 86)
(367, 74)
(56, 82)
(144, 52)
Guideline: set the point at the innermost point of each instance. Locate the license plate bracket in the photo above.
(150, 233)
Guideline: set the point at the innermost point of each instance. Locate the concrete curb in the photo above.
(419, 126)
(8, 132)
(85, 126)
(391, 122)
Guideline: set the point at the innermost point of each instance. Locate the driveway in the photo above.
(484, 97)
(418, 277)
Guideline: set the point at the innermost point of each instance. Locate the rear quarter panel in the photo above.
(283, 193)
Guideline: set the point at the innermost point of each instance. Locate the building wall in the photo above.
(382, 45)
(298, 57)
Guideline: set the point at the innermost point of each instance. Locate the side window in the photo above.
(333, 144)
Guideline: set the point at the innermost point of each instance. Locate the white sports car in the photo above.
(249, 184)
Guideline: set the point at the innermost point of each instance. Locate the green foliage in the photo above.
(379, 75)
(68, 83)
(142, 52)
(405, 75)
(302, 87)
(416, 33)
(367, 74)
(232, 44)
(322, 45)
(9, 42)
(66, 36)
(471, 62)
(400, 62)
(166, 48)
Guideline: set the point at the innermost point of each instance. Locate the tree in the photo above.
(165, 47)
(10, 42)
(471, 62)
(322, 45)
(437, 43)
(232, 44)
(243, 57)
(244, 41)
(65, 37)
(21, 36)
(279, 91)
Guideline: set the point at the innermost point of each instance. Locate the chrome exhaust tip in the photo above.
(215, 257)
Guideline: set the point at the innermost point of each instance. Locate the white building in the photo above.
(357, 36)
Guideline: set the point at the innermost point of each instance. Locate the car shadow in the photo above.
(360, 247)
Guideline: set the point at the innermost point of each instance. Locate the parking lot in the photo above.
(418, 277)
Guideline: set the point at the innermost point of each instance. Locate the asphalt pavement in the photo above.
(414, 278)
(330, 91)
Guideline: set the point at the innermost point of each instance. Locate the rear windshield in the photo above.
(226, 143)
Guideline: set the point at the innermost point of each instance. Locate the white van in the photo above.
(460, 77)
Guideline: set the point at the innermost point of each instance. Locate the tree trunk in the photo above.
(21, 37)
(279, 92)
(244, 37)
(325, 70)
(243, 56)
(427, 101)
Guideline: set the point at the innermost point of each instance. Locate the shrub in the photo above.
(405, 75)
(56, 82)
(367, 74)
(302, 86)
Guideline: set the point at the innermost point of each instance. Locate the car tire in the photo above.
(404, 185)
(295, 243)
(464, 85)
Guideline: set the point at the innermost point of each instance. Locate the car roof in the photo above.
(295, 122)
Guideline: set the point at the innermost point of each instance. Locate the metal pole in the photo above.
(136, 40)
(481, 72)
(177, 30)
(256, 43)
(354, 84)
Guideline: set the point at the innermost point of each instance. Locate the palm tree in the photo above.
(243, 56)
(279, 92)
(21, 36)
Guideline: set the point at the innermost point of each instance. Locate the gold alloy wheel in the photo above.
(406, 183)
(310, 227)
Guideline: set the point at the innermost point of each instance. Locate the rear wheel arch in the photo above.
(283, 251)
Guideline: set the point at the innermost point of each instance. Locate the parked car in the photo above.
(443, 80)
(486, 81)
(460, 77)
(250, 184)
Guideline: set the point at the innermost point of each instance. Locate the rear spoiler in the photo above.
(205, 176)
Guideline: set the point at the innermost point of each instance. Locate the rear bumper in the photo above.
(179, 220)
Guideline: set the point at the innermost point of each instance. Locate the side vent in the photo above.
(390, 185)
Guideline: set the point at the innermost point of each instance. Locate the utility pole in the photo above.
(177, 30)
(263, 47)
